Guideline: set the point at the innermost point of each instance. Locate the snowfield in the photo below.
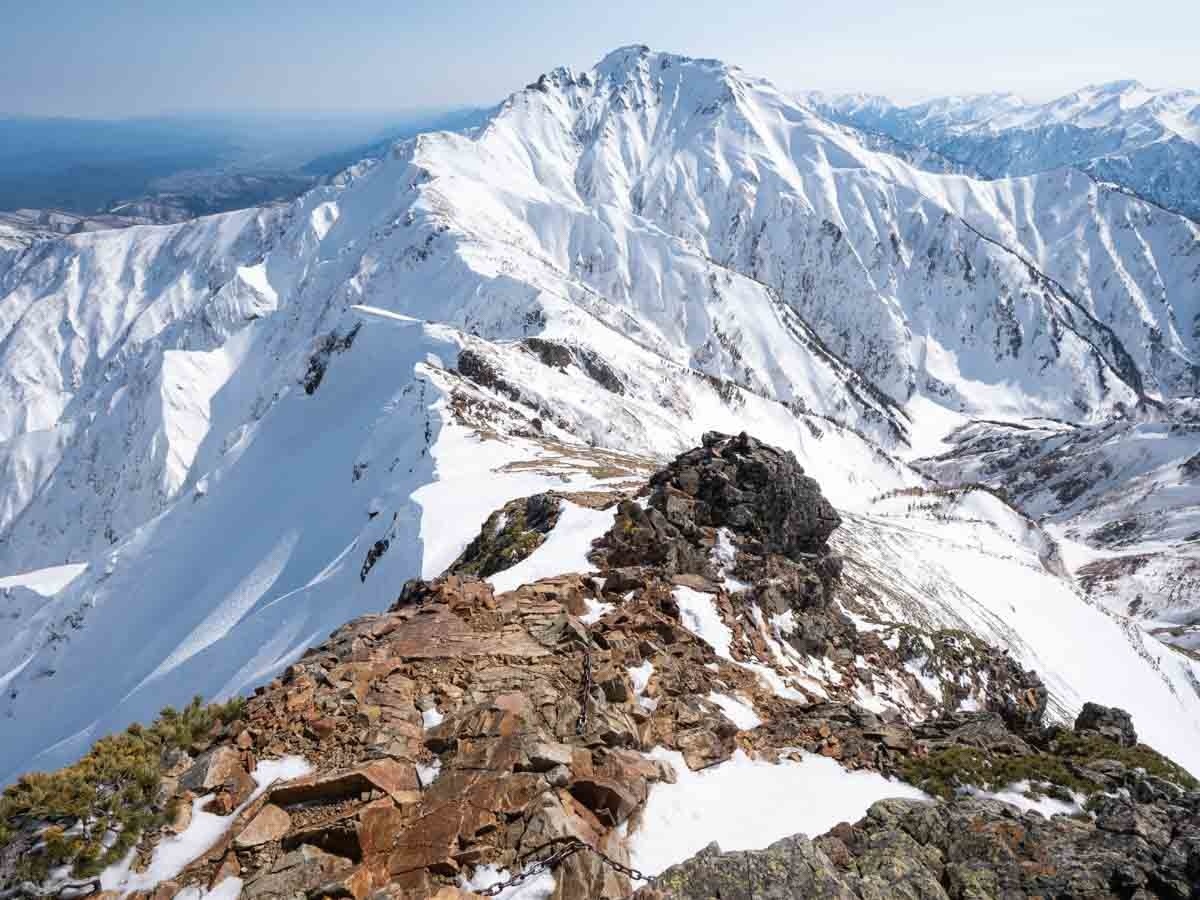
(746, 804)
(222, 439)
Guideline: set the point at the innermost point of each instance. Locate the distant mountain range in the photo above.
(1142, 139)
(172, 168)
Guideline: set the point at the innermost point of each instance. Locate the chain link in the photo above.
(564, 849)
(586, 693)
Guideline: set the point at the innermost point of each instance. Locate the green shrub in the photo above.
(1087, 748)
(113, 788)
(943, 772)
(1058, 773)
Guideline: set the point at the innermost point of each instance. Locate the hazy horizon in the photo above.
(128, 60)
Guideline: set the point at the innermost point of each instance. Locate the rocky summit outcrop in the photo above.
(466, 728)
(1114, 724)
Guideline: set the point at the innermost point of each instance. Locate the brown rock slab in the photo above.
(297, 872)
(610, 799)
(393, 777)
(379, 826)
(442, 634)
(271, 824)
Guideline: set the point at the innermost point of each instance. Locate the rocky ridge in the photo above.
(466, 729)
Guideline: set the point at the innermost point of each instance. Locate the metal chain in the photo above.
(586, 692)
(564, 849)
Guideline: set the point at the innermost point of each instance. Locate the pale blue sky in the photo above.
(120, 57)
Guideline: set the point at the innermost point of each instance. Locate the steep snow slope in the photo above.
(1147, 140)
(951, 570)
(255, 426)
(1123, 498)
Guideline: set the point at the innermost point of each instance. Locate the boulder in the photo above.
(220, 771)
(297, 872)
(754, 489)
(792, 867)
(392, 777)
(1107, 721)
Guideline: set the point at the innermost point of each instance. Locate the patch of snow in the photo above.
(641, 675)
(724, 556)
(860, 623)
(432, 717)
(427, 773)
(784, 623)
(323, 217)
(596, 610)
(47, 581)
(739, 712)
(1014, 795)
(779, 687)
(746, 804)
(932, 686)
(870, 701)
(699, 615)
(565, 548)
(256, 278)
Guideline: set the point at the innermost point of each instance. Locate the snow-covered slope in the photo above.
(1122, 498)
(254, 426)
(1146, 140)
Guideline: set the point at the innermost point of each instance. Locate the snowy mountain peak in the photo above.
(621, 63)
(1118, 86)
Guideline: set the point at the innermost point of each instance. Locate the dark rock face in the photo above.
(477, 368)
(760, 494)
(559, 356)
(318, 363)
(1107, 721)
(752, 488)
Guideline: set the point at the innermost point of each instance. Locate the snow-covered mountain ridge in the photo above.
(252, 427)
(1143, 139)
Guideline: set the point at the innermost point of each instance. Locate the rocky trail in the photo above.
(568, 738)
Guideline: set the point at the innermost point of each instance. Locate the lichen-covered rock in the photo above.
(964, 848)
(509, 535)
(791, 868)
